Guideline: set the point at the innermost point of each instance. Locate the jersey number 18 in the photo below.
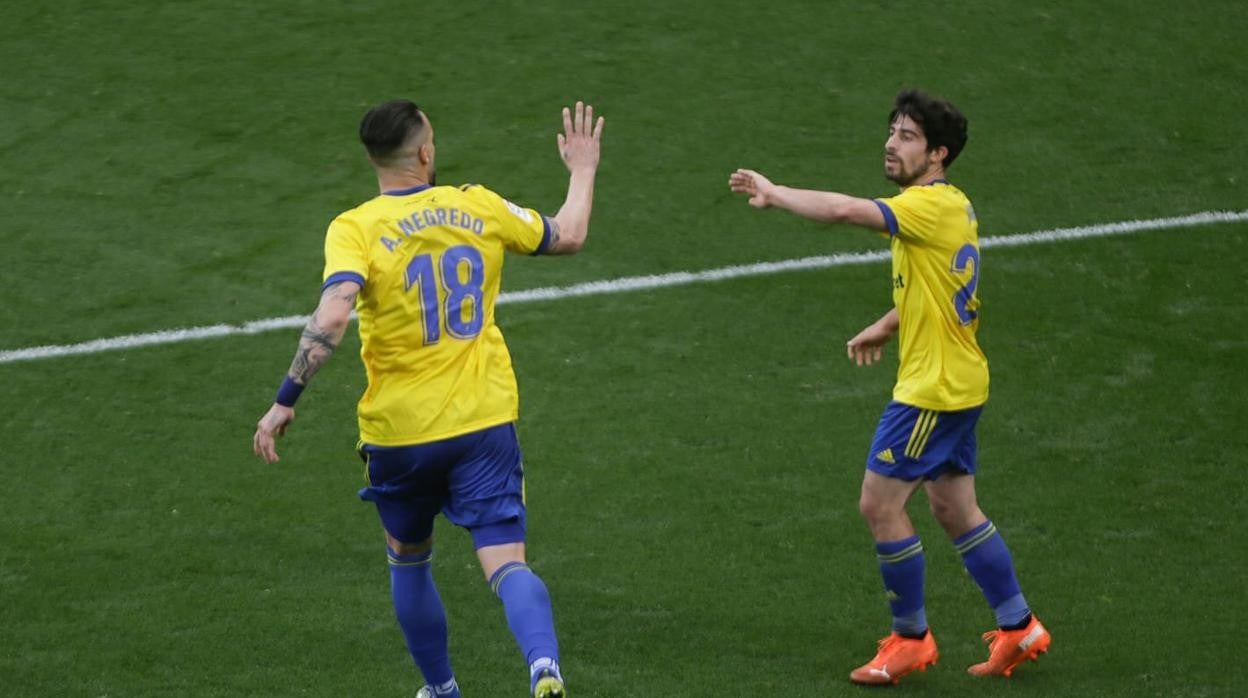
(462, 308)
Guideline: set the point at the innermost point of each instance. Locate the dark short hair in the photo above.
(941, 122)
(387, 126)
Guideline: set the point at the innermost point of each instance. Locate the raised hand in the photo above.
(753, 184)
(578, 144)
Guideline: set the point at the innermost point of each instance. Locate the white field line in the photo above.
(633, 283)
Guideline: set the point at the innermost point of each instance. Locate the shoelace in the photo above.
(886, 647)
(888, 642)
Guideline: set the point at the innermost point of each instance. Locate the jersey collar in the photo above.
(405, 192)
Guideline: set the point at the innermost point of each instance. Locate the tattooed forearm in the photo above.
(315, 335)
(316, 345)
(324, 331)
(554, 234)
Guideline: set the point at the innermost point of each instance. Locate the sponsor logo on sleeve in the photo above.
(522, 214)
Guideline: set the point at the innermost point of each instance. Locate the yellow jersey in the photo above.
(429, 261)
(935, 248)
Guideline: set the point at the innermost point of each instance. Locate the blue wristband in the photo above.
(288, 393)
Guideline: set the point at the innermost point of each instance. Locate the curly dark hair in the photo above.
(941, 122)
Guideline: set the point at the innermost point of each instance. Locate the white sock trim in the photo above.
(544, 663)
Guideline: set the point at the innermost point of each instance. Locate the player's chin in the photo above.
(897, 177)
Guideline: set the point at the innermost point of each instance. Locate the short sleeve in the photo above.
(346, 254)
(523, 230)
(911, 215)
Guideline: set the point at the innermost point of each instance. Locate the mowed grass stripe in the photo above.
(633, 283)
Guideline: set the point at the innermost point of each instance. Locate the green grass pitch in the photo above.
(693, 453)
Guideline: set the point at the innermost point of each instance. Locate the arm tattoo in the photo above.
(317, 343)
(554, 234)
(335, 291)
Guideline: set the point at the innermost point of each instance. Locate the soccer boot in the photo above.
(897, 657)
(450, 689)
(1009, 648)
(548, 685)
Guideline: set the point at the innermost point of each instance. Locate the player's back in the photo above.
(430, 262)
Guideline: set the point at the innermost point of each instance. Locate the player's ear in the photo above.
(938, 154)
(425, 153)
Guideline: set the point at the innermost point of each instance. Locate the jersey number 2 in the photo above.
(964, 296)
(462, 308)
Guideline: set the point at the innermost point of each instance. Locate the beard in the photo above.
(903, 177)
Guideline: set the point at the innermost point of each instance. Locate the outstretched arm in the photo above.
(868, 345)
(317, 343)
(825, 206)
(579, 147)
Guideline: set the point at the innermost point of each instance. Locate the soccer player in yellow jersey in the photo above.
(926, 435)
(421, 266)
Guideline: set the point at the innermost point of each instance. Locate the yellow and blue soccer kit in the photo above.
(942, 384)
(436, 418)
(942, 377)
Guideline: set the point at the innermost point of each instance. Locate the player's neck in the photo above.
(936, 174)
(396, 180)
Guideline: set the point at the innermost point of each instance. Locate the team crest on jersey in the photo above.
(518, 212)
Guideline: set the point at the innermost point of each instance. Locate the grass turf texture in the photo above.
(693, 454)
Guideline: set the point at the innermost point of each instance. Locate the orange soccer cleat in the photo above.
(897, 657)
(1009, 648)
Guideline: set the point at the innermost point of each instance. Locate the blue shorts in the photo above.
(476, 479)
(912, 443)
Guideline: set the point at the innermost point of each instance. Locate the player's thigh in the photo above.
(881, 493)
(487, 489)
(951, 487)
(952, 491)
(409, 486)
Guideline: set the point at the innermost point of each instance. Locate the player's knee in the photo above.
(942, 511)
(955, 517)
(875, 509)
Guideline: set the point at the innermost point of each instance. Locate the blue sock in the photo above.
(422, 618)
(988, 560)
(902, 565)
(527, 605)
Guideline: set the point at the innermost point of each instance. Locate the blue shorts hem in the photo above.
(929, 474)
(501, 533)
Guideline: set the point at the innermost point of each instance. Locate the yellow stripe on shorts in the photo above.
(923, 428)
